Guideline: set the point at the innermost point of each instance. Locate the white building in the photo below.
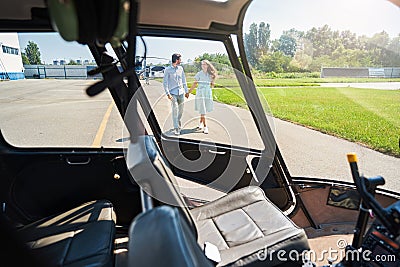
(10, 57)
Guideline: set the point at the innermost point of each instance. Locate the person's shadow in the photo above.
(121, 140)
(184, 131)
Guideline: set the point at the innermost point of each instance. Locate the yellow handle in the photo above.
(351, 157)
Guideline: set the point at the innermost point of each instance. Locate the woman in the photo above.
(203, 102)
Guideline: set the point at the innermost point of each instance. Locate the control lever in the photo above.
(365, 210)
(366, 188)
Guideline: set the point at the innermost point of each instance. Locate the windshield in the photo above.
(48, 105)
(330, 72)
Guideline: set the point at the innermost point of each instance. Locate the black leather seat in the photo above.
(83, 236)
(162, 237)
(244, 225)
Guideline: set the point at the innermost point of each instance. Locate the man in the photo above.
(147, 74)
(176, 89)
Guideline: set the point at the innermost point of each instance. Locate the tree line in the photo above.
(299, 51)
(296, 51)
(32, 55)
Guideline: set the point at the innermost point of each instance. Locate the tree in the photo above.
(301, 60)
(349, 40)
(378, 43)
(72, 62)
(220, 59)
(250, 44)
(32, 53)
(394, 52)
(319, 62)
(263, 41)
(323, 40)
(25, 59)
(256, 42)
(287, 45)
(275, 61)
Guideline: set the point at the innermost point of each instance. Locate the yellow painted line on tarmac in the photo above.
(102, 128)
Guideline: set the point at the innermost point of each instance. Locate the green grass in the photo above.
(325, 80)
(366, 116)
(263, 82)
(232, 97)
(285, 82)
(290, 82)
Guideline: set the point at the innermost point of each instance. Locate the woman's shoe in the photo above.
(201, 126)
(205, 130)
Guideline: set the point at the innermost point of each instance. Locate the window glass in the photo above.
(43, 95)
(48, 106)
(218, 98)
(10, 50)
(331, 76)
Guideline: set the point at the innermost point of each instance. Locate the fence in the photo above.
(59, 72)
(361, 72)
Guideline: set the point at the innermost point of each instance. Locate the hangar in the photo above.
(11, 67)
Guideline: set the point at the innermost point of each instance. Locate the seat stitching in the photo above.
(262, 232)
(219, 231)
(228, 211)
(34, 242)
(64, 260)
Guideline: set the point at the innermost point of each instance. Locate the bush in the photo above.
(286, 75)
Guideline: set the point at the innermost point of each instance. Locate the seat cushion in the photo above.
(83, 236)
(243, 224)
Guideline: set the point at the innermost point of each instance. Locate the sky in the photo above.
(360, 16)
(363, 17)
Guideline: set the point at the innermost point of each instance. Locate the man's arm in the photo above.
(166, 82)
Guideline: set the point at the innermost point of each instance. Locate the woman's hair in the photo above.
(211, 70)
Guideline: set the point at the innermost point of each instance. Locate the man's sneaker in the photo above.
(205, 130)
(200, 127)
(176, 131)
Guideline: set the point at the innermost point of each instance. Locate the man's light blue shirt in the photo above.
(174, 81)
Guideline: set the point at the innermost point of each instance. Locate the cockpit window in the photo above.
(48, 105)
(43, 95)
(331, 76)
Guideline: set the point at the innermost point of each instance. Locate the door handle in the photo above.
(217, 152)
(78, 162)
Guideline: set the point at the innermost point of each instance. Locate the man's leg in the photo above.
(181, 100)
(175, 107)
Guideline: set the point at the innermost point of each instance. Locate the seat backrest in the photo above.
(161, 237)
(149, 168)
